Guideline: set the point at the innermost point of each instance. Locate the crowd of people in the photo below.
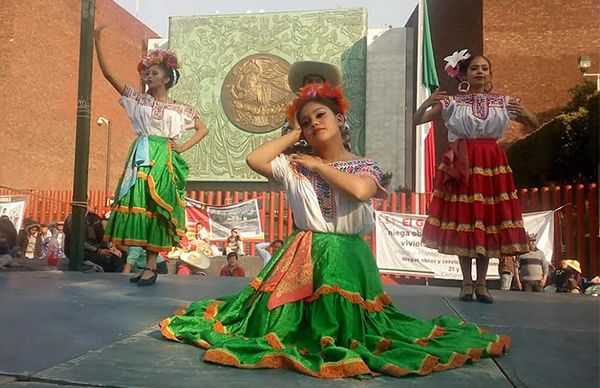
(533, 272)
(51, 243)
(34, 241)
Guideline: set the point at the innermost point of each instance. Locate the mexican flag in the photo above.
(427, 82)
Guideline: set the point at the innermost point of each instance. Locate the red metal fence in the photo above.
(576, 223)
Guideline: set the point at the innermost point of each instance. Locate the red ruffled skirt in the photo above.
(475, 209)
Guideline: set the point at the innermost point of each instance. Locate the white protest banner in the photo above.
(219, 220)
(13, 207)
(399, 249)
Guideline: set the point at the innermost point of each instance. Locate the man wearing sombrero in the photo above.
(303, 73)
(310, 72)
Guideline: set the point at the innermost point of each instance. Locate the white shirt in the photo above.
(261, 248)
(475, 116)
(321, 208)
(150, 117)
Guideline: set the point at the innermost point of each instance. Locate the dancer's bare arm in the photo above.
(424, 114)
(522, 114)
(117, 83)
(201, 132)
(260, 159)
(360, 187)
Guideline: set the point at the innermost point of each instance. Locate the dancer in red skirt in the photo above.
(475, 212)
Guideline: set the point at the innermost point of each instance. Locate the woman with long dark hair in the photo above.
(475, 212)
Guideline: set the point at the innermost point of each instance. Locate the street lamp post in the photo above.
(104, 121)
(585, 63)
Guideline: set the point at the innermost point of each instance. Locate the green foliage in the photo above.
(580, 95)
(564, 149)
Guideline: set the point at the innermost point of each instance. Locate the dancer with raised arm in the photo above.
(149, 207)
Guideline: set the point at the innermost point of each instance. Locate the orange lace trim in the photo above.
(500, 346)
(165, 331)
(426, 367)
(382, 346)
(274, 341)
(326, 340)
(354, 298)
(255, 283)
(437, 331)
(218, 327)
(164, 205)
(180, 310)
(333, 370)
(203, 344)
(211, 310)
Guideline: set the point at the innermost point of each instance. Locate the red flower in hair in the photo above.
(311, 91)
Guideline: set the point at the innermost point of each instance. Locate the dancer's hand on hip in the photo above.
(175, 147)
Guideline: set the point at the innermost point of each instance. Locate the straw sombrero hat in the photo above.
(574, 264)
(301, 69)
(196, 259)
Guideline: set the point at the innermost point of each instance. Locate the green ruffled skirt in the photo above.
(326, 315)
(152, 213)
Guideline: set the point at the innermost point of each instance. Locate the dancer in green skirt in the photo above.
(149, 207)
(318, 306)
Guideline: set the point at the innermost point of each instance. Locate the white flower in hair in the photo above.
(452, 62)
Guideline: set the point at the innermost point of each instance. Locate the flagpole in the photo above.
(419, 154)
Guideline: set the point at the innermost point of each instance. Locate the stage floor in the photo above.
(97, 329)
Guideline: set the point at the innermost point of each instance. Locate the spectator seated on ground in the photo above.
(30, 242)
(266, 249)
(59, 236)
(136, 261)
(568, 277)
(592, 287)
(96, 249)
(232, 268)
(8, 237)
(192, 263)
(208, 248)
(234, 243)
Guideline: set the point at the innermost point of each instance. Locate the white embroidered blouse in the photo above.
(321, 208)
(150, 117)
(476, 116)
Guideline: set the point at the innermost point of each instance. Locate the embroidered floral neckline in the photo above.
(326, 193)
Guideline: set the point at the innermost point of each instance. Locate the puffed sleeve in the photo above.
(370, 168)
(281, 169)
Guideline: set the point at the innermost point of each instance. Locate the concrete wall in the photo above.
(386, 103)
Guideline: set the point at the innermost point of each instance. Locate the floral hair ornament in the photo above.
(312, 91)
(454, 61)
(156, 57)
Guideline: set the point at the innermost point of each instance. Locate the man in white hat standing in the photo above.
(533, 268)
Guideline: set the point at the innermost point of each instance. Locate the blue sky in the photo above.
(155, 13)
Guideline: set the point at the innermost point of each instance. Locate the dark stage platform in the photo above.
(75, 329)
